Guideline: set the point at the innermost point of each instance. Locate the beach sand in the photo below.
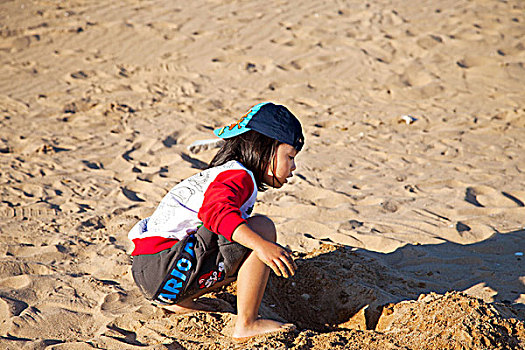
(406, 214)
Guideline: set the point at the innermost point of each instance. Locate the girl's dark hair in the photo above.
(252, 149)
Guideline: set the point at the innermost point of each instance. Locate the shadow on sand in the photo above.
(336, 282)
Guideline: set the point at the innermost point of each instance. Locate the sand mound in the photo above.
(337, 288)
(453, 321)
(450, 321)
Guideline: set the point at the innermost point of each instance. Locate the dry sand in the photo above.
(422, 215)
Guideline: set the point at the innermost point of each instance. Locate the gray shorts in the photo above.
(191, 266)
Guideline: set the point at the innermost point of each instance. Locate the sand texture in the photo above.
(406, 213)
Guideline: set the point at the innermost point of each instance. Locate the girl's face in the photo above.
(281, 166)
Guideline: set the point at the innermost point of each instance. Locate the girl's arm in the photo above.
(220, 211)
(272, 254)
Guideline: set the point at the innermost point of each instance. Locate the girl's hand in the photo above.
(272, 254)
(277, 258)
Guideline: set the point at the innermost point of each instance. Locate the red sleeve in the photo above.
(220, 211)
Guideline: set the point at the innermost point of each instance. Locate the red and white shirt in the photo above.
(220, 198)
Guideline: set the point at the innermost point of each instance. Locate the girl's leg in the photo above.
(202, 304)
(194, 304)
(251, 283)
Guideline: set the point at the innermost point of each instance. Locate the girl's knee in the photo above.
(263, 226)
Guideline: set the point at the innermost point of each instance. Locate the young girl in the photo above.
(201, 235)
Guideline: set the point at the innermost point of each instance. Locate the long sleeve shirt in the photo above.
(220, 198)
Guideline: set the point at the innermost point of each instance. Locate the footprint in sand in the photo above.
(123, 335)
(484, 196)
(16, 282)
(80, 76)
(11, 307)
(81, 105)
(33, 211)
(15, 268)
(475, 61)
(429, 41)
(131, 195)
(195, 163)
(50, 321)
(116, 304)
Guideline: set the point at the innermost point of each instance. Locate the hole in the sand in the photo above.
(325, 293)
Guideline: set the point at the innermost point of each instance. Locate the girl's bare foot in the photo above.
(199, 305)
(243, 332)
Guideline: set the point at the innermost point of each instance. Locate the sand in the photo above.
(406, 213)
